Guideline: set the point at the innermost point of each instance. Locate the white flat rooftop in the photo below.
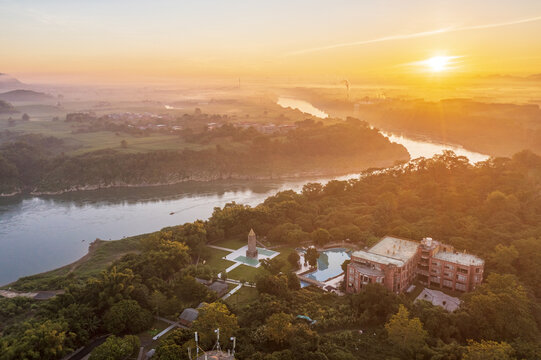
(439, 298)
(460, 258)
(395, 248)
(380, 259)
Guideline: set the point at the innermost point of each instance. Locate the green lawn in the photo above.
(244, 296)
(106, 253)
(215, 260)
(244, 272)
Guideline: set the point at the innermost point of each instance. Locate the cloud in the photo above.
(413, 35)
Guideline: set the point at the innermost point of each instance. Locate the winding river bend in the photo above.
(416, 148)
(42, 233)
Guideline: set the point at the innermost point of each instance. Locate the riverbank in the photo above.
(100, 255)
(232, 177)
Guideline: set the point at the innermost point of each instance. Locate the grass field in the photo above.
(81, 143)
(244, 296)
(41, 116)
(215, 260)
(244, 272)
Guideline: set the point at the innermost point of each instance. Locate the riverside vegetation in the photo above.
(37, 164)
(492, 209)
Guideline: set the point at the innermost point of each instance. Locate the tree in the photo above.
(320, 236)
(278, 328)
(171, 352)
(500, 309)
(116, 348)
(123, 144)
(286, 232)
(502, 259)
(294, 258)
(273, 284)
(127, 317)
(46, 340)
(345, 264)
(25, 117)
(215, 316)
(488, 350)
(174, 346)
(312, 190)
(293, 282)
(406, 334)
(158, 302)
(311, 256)
(274, 266)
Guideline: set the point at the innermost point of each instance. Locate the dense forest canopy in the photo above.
(311, 148)
(492, 209)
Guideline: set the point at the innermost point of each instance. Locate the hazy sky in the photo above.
(362, 38)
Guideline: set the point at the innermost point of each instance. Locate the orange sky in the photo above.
(311, 39)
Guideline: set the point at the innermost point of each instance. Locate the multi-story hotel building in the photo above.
(396, 263)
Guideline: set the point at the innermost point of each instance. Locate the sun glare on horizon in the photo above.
(438, 63)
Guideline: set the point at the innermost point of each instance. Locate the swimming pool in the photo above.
(329, 264)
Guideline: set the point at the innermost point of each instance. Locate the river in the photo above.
(416, 148)
(46, 232)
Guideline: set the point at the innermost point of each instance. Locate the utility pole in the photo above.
(234, 339)
(217, 331)
(196, 346)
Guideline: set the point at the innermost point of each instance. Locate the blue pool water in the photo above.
(329, 264)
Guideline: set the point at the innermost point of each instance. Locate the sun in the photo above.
(438, 63)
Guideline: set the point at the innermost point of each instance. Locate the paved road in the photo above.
(172, 325)
(38, 295)
(234, 290)
(235, 265)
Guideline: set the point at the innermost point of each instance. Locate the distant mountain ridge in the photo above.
(25, 95)
(9, 82)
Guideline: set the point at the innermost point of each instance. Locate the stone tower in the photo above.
(251, 252)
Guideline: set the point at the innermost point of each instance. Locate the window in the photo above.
(460, 287)
(435, 263)
(461, 278)
(447, 283)
(449, 267)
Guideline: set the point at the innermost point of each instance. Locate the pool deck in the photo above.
(305, 270)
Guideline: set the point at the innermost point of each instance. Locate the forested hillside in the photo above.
(492, 209)
(311, 149)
